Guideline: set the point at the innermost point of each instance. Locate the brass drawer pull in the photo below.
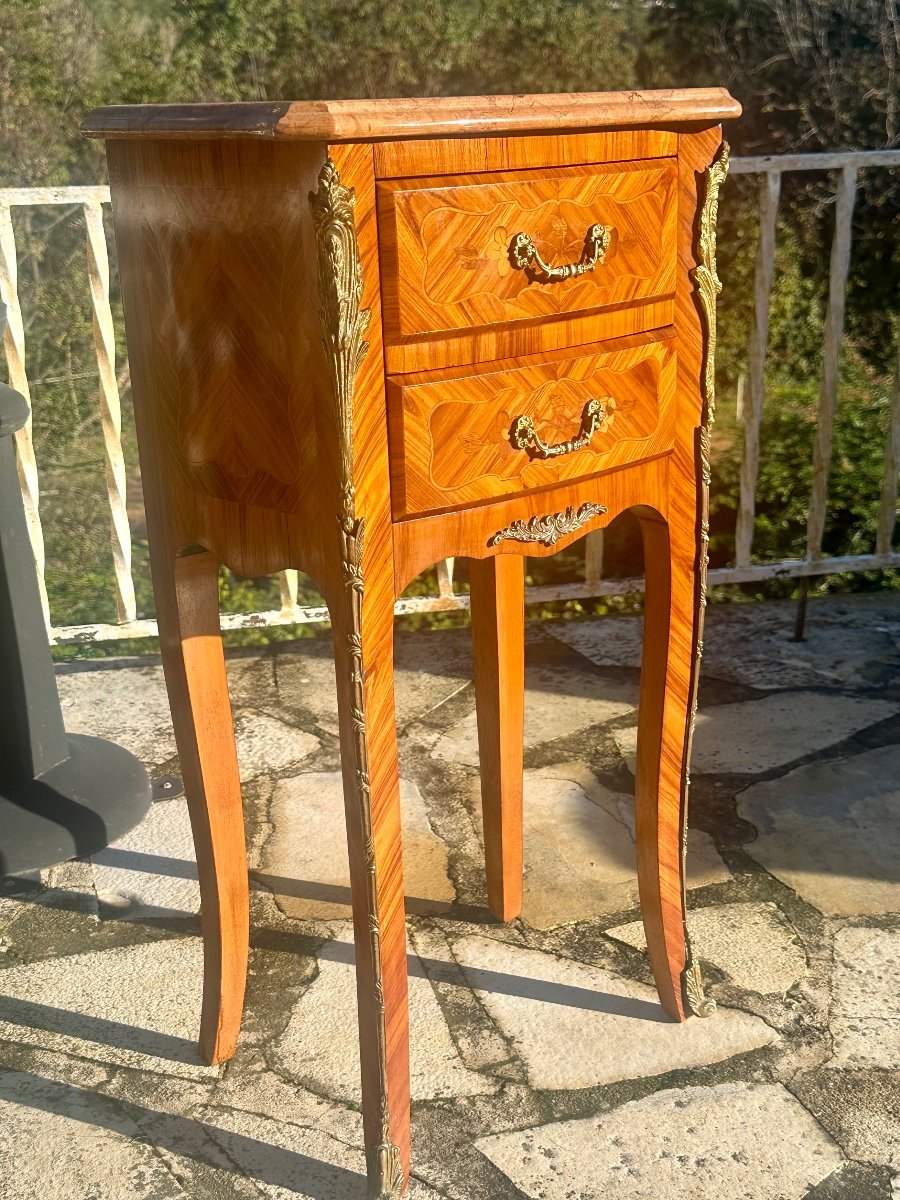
(524, 255)
(549, 529)
(524, 436)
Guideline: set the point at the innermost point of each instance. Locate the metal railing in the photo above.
(770, 169)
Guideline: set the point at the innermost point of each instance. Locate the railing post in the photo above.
(831, 357)
(831, 361)
(288, 583)
(759, 337)
(110, 408)
(593, 557)
(14, 343)
(445, 578)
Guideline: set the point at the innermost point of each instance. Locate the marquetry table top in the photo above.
(439, 116)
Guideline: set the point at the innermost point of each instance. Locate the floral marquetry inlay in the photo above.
(459, 433)
(455, 263)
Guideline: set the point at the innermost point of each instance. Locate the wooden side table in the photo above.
(368, 335)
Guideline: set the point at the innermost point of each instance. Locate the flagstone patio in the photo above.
(542, 1065)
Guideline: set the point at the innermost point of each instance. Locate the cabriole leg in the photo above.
(670, 654)
(362, 625)
(187, 602)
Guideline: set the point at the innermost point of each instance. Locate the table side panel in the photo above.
(218, 271)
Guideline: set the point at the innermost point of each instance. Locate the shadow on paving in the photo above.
(183, 1136)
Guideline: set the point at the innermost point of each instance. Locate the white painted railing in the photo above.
(769, 169)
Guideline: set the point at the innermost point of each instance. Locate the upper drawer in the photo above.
(513, 427)
(447, 245)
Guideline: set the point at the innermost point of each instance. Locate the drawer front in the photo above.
(471, 438)
(447, 245)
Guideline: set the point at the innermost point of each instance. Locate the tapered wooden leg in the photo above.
(187, 604)
(498, 637)
(362, 623)
(671, 643)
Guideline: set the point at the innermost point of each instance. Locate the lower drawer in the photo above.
(512, 427)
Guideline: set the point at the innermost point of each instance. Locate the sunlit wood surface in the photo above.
(245, 461)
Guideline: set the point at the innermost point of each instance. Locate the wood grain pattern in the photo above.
(187, 605)
(445, 244)
(498, 640)
(194, 256)
(450, 438)
(427, 352)
(358, 588)
(249, 458)
(326, 121)
(240, 447)
(241, 403)
(465, 156)
(421, 541)
(672, 553)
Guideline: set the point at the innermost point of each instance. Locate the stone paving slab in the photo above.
(737, 1141)
(865, 1019)
(290, 1162)
(153, 866)
(73, 881)
(859, 1108)
(266, 744)
(425, 675)
(136, 1005)
(752, 943)
(577, 1026)
(851, 641)
(304, 861)
(580, 858)
(515, 1038)
(754, 736)
(558, 702)
(831, 831)
(579, 854)
(251, 1085)
(59, 1143)
(704, 863)
(127, 706)
(320, 1047)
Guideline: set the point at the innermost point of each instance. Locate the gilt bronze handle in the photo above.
(524, 255)
(524, 436)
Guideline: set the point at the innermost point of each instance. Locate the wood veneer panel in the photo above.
(428, 353)
(358, 588)
(211, 236)
(364, 120)
(421, 541)
(445, 244)
(457, 156)
(450, 437)
(673, 555)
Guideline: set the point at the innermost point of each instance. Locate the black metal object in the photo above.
(61, 796)
(169, 788)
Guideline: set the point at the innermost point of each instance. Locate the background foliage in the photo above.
(811, 74)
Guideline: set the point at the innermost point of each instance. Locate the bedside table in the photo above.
(367, 335)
